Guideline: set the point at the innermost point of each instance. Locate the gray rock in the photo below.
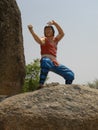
(12, 61)
(61, 107)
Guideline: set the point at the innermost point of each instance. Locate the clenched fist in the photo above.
(30, 27)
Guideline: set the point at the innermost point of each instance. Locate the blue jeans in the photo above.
(47, 65)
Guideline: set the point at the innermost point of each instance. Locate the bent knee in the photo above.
(70, 76)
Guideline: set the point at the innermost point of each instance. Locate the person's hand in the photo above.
(30, 27)
(51, 22)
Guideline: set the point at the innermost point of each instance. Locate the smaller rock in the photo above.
(2, 97)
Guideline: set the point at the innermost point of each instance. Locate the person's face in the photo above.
(48, 32)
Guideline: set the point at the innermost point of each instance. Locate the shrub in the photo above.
(94, 84)
(32, 76)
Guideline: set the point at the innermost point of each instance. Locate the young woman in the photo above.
(48, 45)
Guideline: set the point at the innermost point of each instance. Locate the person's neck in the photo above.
(50, 38)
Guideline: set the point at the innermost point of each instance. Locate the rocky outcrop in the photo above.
(60, 107)
(12, 63)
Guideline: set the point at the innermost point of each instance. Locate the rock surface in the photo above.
(12, 61)
(60, 107)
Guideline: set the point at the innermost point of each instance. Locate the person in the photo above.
(48, 45)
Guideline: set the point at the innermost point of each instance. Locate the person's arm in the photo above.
(60, 30)
(35, 36)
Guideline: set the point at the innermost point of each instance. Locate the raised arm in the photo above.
(35, 36)
(60, 30)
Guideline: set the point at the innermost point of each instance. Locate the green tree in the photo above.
(32, 76)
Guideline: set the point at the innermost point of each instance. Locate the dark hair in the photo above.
(51, 28)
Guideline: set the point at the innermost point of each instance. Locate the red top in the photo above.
(49, 48)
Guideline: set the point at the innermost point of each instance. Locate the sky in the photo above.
(78, 50)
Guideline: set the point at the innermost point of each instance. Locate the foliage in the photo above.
(94, 84)
(32, 76)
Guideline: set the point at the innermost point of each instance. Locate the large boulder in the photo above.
(61, 107)
(12, 61)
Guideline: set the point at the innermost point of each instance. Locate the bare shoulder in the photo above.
(43, 40)
(59, 37)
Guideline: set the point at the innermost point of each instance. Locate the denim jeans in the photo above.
(47, 65)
